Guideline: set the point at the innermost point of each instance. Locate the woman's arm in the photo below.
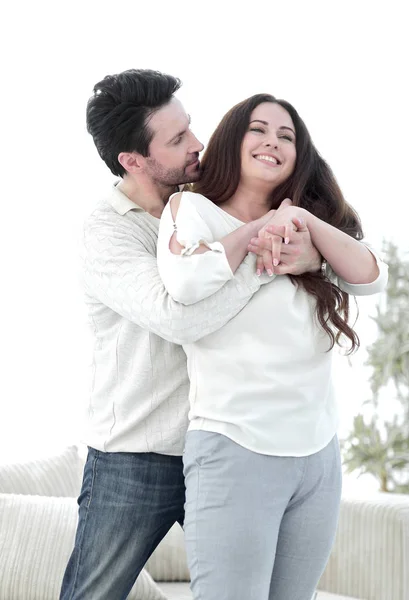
(234, 244)
(358, 269)
(192, 264)
(350, 259)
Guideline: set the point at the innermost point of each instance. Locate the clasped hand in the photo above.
(284, 245)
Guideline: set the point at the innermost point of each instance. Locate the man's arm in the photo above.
(120, 272)
(234, 244)
(194, 265)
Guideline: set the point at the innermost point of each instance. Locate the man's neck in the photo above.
(146, 194)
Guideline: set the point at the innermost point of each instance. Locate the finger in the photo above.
(283, 269)
(259, 265)
(286, 202)
(287, 233)
(300, 224)
(277, 241)
(255, 249)
(257, 245)
(268, 262)
(275, 230)
(260, 244)
(287, 252)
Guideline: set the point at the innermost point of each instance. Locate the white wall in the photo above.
(342, 64)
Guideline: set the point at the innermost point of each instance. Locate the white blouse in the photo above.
(264, 378)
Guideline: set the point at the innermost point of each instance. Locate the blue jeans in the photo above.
(258, 527)
(128, 503)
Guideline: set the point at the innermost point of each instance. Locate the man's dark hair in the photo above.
(119, 111)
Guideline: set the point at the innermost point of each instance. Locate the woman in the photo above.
(262, 464)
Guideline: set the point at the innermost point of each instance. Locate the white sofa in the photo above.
(38, 516)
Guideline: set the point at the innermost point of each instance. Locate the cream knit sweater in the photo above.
(139, 395)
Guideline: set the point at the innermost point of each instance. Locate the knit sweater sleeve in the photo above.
(120, 271)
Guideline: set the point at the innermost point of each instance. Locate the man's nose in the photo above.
(196, 146)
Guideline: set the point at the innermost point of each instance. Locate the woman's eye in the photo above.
(178, 140)
(256, 129)
(287, 137)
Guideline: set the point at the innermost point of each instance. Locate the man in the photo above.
(133, 488)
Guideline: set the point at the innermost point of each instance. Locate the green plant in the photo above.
(377, 445)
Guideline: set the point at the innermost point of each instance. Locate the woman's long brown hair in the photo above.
(312, 186)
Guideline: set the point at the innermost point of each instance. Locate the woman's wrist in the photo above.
(308, 218)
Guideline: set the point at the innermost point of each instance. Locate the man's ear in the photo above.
(132, 162)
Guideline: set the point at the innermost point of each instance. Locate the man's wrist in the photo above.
(316, 262)
(320, 266)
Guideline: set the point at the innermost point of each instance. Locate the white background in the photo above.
(342, 64)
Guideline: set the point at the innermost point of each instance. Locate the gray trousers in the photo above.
(258, 527)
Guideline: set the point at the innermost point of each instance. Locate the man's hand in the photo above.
(295, 257)
(271, 255)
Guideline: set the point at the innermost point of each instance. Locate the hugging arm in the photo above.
(120, 272)
(354, 266)
(193, 265)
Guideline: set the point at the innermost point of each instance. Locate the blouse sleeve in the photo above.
(189, 277)
(362, 289)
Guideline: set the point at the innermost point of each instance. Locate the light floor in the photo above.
(180, 591)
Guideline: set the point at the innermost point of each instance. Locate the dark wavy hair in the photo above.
(312, 186)
(119, 109)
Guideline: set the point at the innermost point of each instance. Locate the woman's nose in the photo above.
(271, 144)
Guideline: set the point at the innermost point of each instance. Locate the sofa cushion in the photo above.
(36, 539)
(168, 562)
(370, 557)
(59, 475)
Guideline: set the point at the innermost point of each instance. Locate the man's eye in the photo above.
(177, 140)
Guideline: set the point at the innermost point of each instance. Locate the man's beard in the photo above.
(172, 177)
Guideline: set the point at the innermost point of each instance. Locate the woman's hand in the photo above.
(297, 257)
(286, 218)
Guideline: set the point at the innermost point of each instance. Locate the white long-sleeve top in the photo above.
(264, 378)
(139, 393)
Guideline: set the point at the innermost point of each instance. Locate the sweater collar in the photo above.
(121, 203)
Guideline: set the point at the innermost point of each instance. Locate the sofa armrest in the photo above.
(370, 558)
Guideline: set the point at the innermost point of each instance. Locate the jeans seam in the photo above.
(83, 529)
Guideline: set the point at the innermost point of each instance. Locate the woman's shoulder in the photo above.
(188, 201)
(194, 198)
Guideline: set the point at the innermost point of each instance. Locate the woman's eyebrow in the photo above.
(289, 128)
(266, 123)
